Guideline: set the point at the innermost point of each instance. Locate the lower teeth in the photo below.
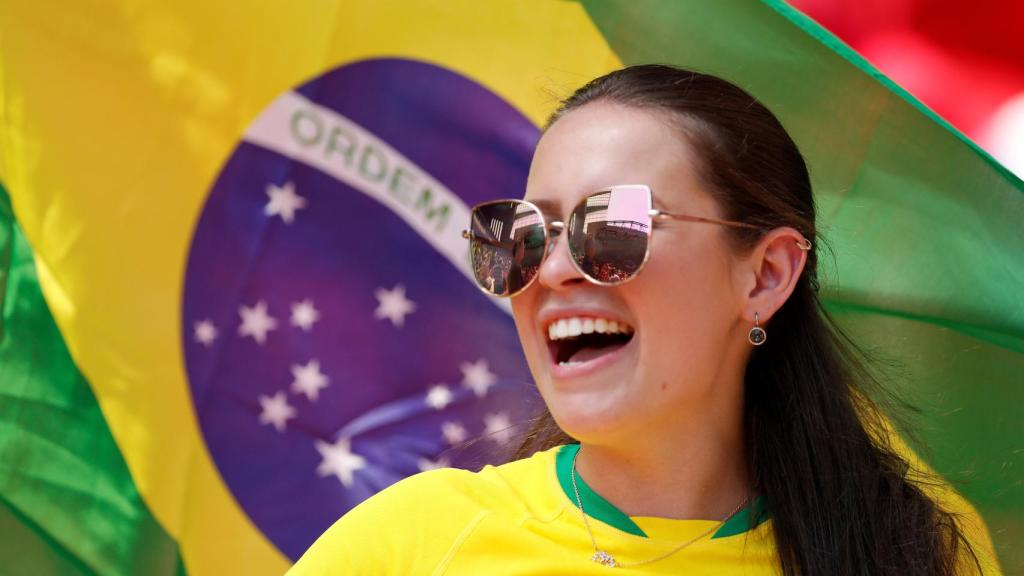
(569, 363)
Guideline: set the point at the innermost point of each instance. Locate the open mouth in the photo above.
(577, 340)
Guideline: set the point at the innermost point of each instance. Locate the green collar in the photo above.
(597, 507)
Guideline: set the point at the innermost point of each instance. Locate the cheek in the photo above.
(686, 311)
(532, 348)
(690, 279)
(685, 293)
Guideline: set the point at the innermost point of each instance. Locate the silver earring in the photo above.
(757, 334)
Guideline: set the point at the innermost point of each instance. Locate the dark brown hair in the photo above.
(841, 498)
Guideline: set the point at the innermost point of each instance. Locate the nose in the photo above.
(557, 271)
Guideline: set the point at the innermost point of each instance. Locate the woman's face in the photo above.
(682, 307)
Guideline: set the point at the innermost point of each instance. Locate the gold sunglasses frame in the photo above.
(559, 226)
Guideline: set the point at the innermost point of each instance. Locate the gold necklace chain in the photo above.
(606, 559)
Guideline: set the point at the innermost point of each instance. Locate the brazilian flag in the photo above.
(213, 214)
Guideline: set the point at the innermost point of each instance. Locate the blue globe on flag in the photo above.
(335, 342)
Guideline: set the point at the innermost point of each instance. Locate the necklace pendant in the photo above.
(603, 558)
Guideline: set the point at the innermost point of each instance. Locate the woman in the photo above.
(703, 415)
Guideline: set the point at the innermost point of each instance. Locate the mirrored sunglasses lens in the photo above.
(608, 233)
(506, 247)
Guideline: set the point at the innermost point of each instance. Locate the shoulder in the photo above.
(405, 528)
(423, 490)
(502, 488)
(948, 499)
(409, 526)
(981, 552)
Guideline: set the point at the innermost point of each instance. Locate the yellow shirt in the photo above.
(518, 518)
(514, 519)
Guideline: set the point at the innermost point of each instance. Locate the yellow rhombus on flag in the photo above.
(194, 193)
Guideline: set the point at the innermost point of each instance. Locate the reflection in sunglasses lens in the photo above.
(507, 246)
(608, 233)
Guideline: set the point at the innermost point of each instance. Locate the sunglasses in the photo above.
(608, 232)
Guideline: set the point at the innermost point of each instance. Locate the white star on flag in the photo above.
(498, 427)
(339, 460)
(393, 305)
(424, 464)
(453, 432)
(205, 332)
(304, 315)
(256, 322)
(276, 411)
(477, 377)
(283, 202)
(439, 396)
(309, 380)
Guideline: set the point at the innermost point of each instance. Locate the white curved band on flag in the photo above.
(319, 137)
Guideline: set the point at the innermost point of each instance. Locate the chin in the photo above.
(589, 422)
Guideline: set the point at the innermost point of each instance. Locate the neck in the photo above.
(695, 470)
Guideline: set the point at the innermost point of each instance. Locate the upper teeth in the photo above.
(573, 327)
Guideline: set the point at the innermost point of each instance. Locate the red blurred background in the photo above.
(965, 60)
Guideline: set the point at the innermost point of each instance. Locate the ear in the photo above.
(771, 272)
